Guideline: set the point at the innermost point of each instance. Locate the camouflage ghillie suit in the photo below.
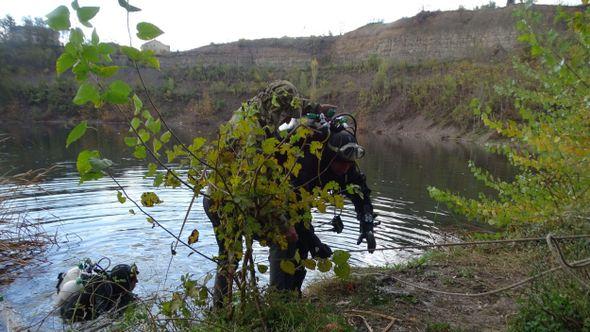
(274, 105)
(277, 103)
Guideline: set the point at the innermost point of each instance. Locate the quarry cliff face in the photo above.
(436, 63)
(272, 52)
(432, 36)
(451, 35)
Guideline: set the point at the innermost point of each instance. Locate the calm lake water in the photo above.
(90, 222)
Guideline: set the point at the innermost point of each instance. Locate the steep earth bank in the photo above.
(415, 76)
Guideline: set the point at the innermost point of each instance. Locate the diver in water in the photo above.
(87, 291)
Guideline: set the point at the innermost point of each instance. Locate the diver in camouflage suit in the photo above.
(278, 103)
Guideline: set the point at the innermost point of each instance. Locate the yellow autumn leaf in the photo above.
(150, 199)
(194, 237)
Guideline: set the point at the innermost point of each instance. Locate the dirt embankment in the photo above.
(387, 74)
(415, 76)
(373, 298)
(428, 36)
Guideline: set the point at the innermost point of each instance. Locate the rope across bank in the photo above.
(550, 239)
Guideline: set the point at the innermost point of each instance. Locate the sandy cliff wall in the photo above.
(427, 36)
(432, 36)
(274, 52)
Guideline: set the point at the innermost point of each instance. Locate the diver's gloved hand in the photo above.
(291, 235)
(321, 250)
(328, 109)
(337, 224)
(318, 123)
(313, 107)
(367, 223)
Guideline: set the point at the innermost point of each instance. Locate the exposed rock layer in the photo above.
(449, 35)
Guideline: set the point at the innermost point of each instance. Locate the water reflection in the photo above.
(90, 222)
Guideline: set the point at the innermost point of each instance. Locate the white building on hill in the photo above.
(156, 46)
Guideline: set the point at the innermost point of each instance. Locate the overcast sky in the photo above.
(189, 23)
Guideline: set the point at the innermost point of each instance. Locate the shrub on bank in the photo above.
(549, 148)
(553, 305)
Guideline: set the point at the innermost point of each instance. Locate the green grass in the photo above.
(553, 305)
(280, 312)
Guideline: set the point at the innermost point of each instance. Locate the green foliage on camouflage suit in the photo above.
(550, 146)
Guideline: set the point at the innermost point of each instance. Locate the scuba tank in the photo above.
(98, 292)
(67, 289)
(73, 280)
(72, 274)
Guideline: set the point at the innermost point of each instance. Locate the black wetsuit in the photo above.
(311, 176)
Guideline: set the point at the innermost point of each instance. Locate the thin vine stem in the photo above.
(156, 109)
(152, 153)
(157, 222)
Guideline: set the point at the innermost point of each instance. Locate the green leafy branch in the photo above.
(549, 145)
(247, 173)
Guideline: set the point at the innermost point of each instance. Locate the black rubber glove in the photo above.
(337, 224)
(321, 250)
(366, 231)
